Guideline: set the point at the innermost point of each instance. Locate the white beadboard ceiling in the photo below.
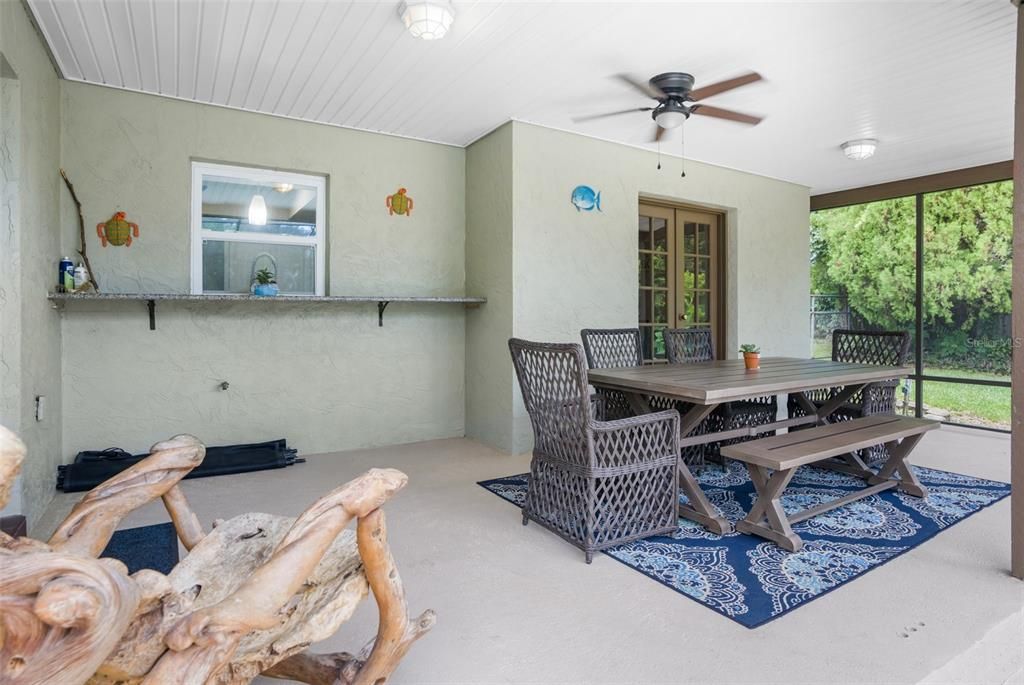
(931, 80)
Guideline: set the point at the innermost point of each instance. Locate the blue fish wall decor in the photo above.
(585, 199)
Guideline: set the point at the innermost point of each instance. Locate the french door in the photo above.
(680, 284)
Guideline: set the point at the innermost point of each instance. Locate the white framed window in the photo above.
(246, 219)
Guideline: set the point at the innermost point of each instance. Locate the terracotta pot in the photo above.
(752, 360)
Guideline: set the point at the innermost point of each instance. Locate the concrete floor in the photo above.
(519, 605)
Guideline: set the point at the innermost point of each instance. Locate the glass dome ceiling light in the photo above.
(427, 19)
(859, 149)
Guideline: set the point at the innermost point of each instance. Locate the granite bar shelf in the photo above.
(60, 299)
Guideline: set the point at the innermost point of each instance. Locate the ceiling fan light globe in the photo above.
(670, 119)
(427, 19)
(860, 149)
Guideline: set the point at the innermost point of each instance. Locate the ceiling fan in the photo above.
(677, 100)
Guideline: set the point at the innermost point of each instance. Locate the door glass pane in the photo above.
(230, 266)
(659, 265)
(659, 344)
(689, 272)
(645, 306)
(703, 241)
(644, 239)
(703, 272)
(645, 341)
(688, 308)
(660, 234)
(661, 306)
(703, 308)
(689, 237)
(645, 268)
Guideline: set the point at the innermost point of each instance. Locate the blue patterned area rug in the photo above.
(753, 581)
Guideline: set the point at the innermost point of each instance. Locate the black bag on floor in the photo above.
(93, 467)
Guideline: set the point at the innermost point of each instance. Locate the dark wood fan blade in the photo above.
(722, 86)
(719, 113)
(643, 86)
(591, 117)
(659, 133)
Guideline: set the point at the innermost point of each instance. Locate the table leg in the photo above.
(767, 518)
(848, 463)
(698, 508)
(638, 403)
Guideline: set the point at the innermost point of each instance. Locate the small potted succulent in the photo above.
(751, 356)
(265, 284)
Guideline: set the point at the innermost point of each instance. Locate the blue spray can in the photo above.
(66, 275)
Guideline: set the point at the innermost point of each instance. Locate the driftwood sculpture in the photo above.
(249, 598)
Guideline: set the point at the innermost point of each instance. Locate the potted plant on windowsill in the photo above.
(751, 356)
(265, 284)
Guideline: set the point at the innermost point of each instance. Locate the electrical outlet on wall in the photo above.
(40, 407)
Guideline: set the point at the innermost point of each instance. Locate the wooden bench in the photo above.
(772, 462)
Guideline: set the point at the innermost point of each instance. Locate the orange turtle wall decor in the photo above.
(117, 231)
(399, 203)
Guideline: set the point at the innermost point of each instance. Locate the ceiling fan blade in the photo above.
(659, 133)
(722, 86)
(591, 117)
(643, 86)
(719, 113)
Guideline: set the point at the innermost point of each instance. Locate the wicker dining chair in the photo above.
(595, 483)
(888, 348)
(608, 348)
(695, 345)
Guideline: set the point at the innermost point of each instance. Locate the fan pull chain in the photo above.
(659, 155)
(682, 149)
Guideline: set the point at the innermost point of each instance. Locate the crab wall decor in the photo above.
(117, 231)
(248, 599)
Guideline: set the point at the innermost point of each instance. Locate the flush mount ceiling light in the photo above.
(427, 19)
(258, 211)
(859, 149)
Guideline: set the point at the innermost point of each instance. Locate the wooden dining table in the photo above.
(704, 386)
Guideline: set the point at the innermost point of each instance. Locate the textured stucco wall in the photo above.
(489, 374)
(324, 376)
(579, 269)
(30, 348)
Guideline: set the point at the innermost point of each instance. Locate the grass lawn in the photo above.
(988, 403)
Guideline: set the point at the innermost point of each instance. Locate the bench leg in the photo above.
(767, 518)
(897, 463)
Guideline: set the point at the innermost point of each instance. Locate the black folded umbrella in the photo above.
(91, 468)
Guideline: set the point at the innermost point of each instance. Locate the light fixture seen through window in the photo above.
(258, 211)
(859, 149)
(427, 19)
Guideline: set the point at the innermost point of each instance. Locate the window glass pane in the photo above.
(862, 270)
(645, 268)
(644, 238)
(230, 266)
(661, 306)
(232, 205)
(660, 234)
(968, 237)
